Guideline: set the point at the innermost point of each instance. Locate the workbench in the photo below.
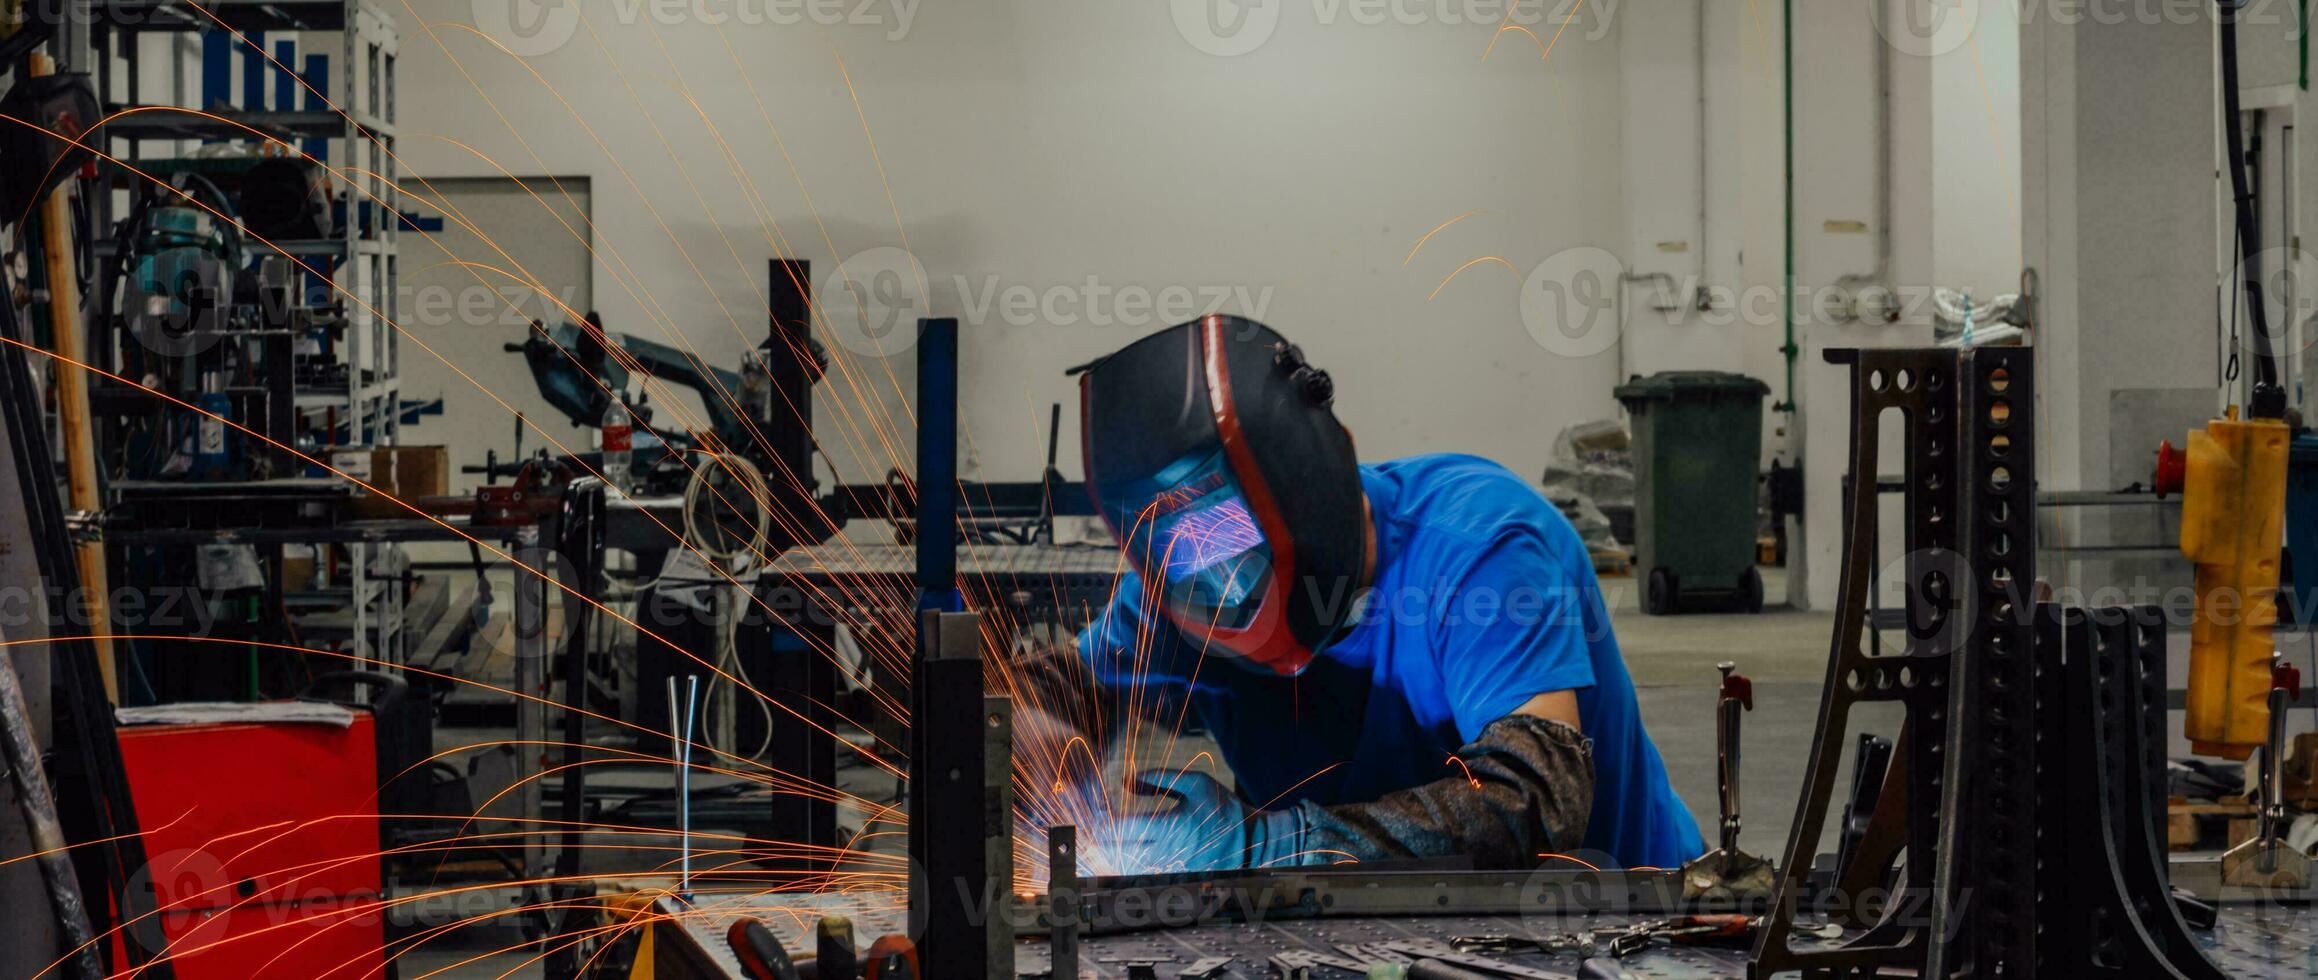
(2249, 941)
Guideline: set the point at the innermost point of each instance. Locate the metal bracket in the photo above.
(1062, 898)
(2106, 908)
(1205, 968)
(1501, 968)
(1965, 902)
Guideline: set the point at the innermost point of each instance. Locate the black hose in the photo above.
(2269, 398)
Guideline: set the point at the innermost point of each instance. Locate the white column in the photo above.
(2122, 224)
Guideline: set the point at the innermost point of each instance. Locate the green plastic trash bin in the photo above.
(1698, 440)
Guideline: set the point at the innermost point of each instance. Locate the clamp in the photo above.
(2267, 861)
(1728, 872)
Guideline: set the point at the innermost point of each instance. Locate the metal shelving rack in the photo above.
(318, 75)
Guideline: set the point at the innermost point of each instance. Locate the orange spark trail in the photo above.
(1436, 230)
(1461, 269)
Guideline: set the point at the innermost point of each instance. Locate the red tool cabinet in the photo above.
(262, 840)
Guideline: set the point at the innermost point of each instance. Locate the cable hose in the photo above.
(732, 676)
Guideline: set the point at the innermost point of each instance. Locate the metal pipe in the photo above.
(684, 784)
(1883, 156)
(1787, 166)
(48, 840)
(70, 338)
(937, 408)
(1705, 271)
(530, 710)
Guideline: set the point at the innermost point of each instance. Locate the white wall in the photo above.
(2123, 224)
(1976, 145)
(1039, 147)
(1046, 144)
(1703, 201)
(1906, 161)
(1907, 177)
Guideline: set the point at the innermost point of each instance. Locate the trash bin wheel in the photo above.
(1662, 595)
(1750, 591)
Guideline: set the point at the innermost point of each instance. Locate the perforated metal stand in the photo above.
(2105, 905)
(1965, 904)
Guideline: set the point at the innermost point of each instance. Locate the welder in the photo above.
(1398, 660)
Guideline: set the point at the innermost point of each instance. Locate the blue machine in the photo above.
(575, 371)
(2298, 598)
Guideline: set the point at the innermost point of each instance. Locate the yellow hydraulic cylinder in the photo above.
(2233, 516)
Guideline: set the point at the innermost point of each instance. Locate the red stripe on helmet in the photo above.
(1267, 640)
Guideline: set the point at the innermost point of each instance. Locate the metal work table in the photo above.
(2249, 941)
(842, 557)
(1019, 584)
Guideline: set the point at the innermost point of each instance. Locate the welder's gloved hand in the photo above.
(1201, 826)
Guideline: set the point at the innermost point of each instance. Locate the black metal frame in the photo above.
(1965, 904)
(2105, 907)
(579, 540)
(961, 808)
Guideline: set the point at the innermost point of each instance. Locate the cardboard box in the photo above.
(297, 567)
(407, 472)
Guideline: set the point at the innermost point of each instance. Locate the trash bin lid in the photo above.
(1671, 385)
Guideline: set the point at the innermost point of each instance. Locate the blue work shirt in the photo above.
(1484, 598)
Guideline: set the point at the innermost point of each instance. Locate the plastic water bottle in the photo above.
(617, 441)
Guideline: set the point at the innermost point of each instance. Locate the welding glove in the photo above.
(1527, 788)
(1202, 826)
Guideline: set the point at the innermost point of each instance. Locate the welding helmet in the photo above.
(1214, 456)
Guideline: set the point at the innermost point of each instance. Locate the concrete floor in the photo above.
(1784, 652)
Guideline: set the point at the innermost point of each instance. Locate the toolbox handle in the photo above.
(389, 690)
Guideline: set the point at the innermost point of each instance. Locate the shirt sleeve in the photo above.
(1513, 628)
